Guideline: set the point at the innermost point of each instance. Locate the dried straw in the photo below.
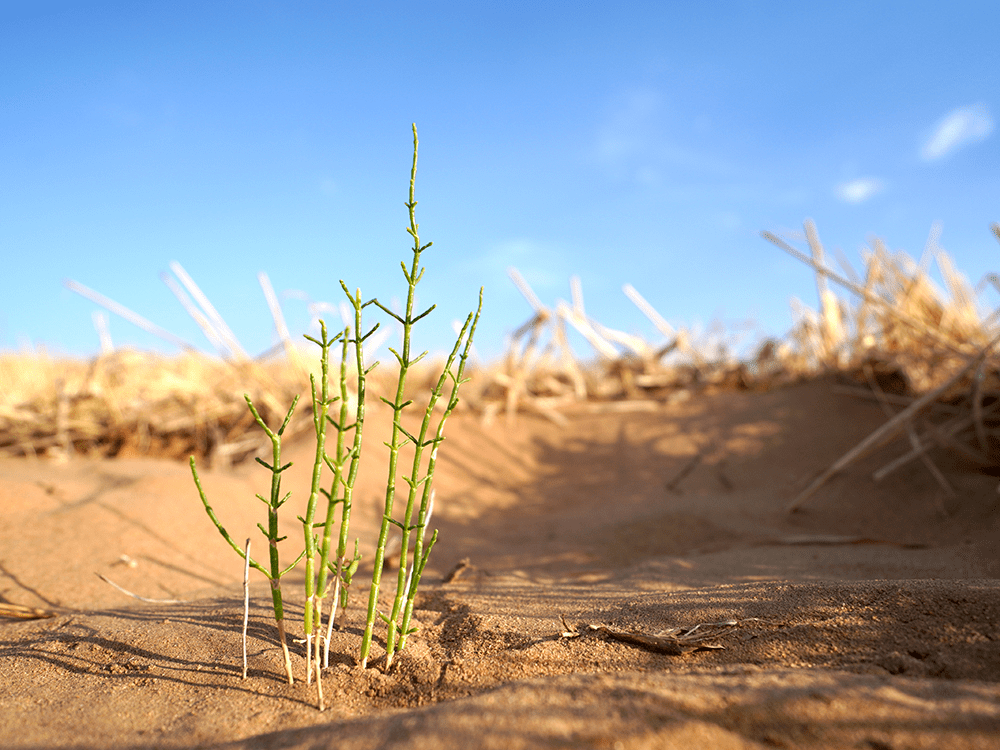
(895, 324)
(936, 340)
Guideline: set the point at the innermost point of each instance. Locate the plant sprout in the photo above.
(416, 482)
(276, 572)
(328, 566)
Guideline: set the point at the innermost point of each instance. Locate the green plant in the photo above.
(273, 503)
(329, 568)
(409, 572)
(344, 466)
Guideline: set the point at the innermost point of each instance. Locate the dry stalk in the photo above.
(919, 448)
(890, 429)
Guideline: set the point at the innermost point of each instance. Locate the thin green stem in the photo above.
(271, 532)
(396, 441)
(420, 556)
(321, 404)
(337, 466)
(344, 569)
(409, 573)
(416, 483)
(222, 529)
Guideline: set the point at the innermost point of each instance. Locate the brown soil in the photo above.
(870, 619)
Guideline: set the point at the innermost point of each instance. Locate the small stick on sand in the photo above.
(649, 311)
(668, 644)
(526, 291)
(20, 612)
(672, 642)
(136, 596)
(246, 603)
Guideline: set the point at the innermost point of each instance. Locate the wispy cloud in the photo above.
(960, 127)
(626, 130)
(859, 190)
(633, 142)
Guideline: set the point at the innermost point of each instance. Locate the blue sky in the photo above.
(646, 145)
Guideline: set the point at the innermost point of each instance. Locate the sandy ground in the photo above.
(870, 619)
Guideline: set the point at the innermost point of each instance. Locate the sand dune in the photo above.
(869, 619)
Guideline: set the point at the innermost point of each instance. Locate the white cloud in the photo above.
(859, 190)
(634, 142)
(958, 128)
(626, 132)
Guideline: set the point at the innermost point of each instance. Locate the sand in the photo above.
(869, 619)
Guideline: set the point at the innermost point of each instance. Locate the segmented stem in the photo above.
(409, 572)
(321, 404)
(273, 503)
(398, 404)
(420, 556)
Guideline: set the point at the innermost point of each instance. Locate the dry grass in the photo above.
(142, 403)
(892, 334)
(540, 371)
(135, 402)
(911, 344)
